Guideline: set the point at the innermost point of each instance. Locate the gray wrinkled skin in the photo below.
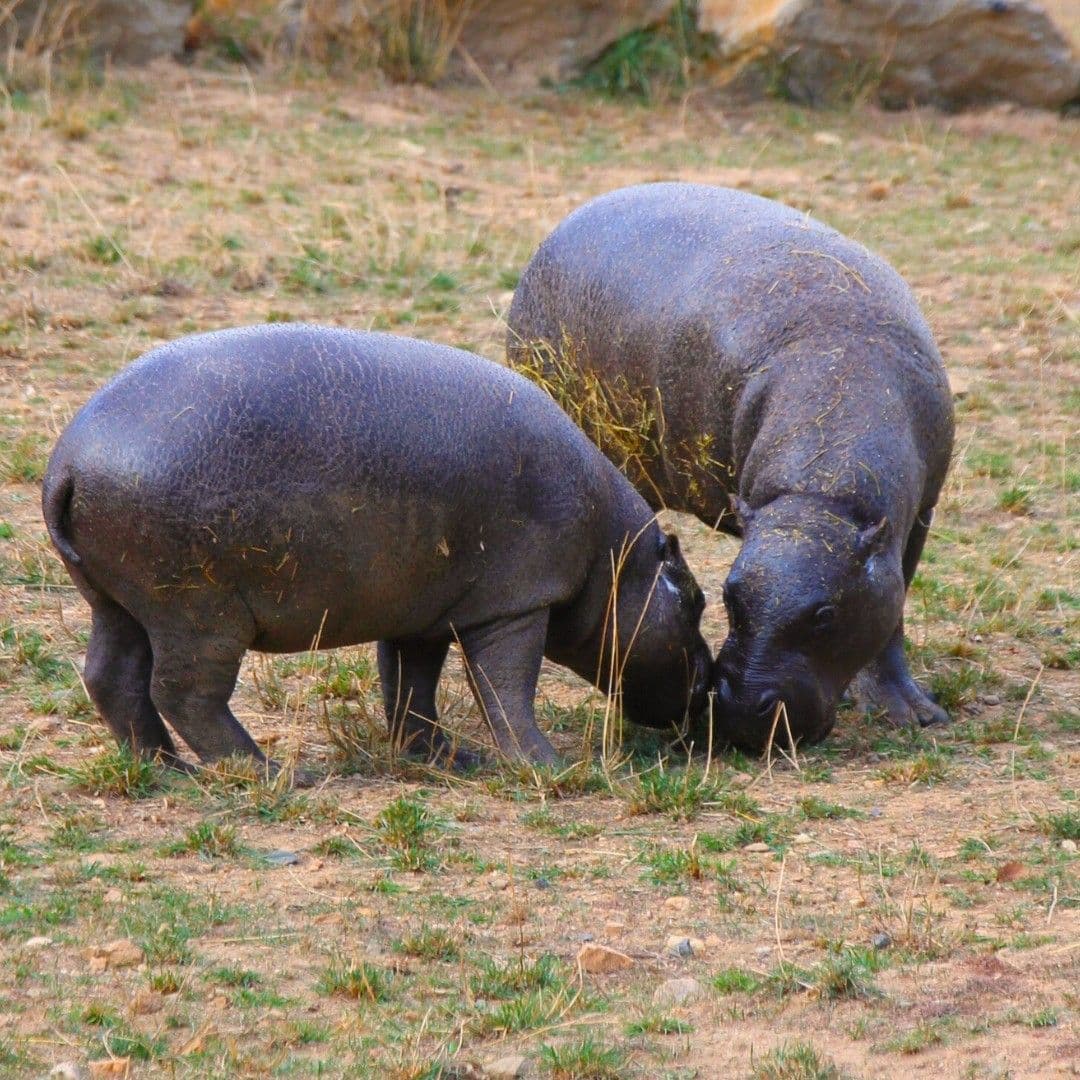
(277, 486)
(803, 362)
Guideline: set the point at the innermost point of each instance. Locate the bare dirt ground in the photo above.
(888, 904)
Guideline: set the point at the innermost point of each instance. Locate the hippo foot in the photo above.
(903, 702)
(444, 755)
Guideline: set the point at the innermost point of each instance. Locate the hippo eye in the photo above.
(824, 617)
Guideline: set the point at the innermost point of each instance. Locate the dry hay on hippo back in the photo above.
(275, 487)
(749, 365)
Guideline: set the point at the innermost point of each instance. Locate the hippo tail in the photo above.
(55, 506)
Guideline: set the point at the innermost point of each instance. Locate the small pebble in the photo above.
(282, 858)
(881, 941)
(1068, 845)
(587, 937)
(875, 811)
(543, 883)
(682, 947)
(678, 992)
(67, 1070)
(991, 699)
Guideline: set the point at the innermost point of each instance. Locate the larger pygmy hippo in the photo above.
(759, 370)
(277, 487)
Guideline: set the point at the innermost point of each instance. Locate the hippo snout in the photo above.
(746, 711)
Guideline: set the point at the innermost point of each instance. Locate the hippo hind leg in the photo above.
(192, 682)
(409, 673)
(119, 662)
(886, 683)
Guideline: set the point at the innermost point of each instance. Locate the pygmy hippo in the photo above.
(283, 487)
(789, 392)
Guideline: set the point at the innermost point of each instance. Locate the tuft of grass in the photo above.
(1063, 826)
(23, 460)
(682, 793)
(1016, 499)
(213, 840)
(429, 943)
(105, 248)
(1044, 1018)
(417, 37)
(117, 771)
(815, 809)
(405, 827)
(929, 767)
(653, 1023)
(361, 981)
(795, 1061)
(238, 978)
(736, 981)
(585, 1059)
(919, 1038)
(652, 62)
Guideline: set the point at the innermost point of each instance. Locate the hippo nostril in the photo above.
(767, 703)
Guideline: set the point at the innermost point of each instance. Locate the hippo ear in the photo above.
(669, 548)
(872, 539)
(742, 510)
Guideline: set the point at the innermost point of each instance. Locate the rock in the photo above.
(507, 1068)
(103, 859)
(601, 959)
(1068, 845)
(881, 941)
(111, 1067)
(990, 699)
(35, 943)
(949, 53)
(498, 882)
(116, 954)
(614, 927)
(68, 1070)
(127, 31)
(113, 896)
(681, 945)
(677, 905)
(757, 848)
(282, 858)
(678, 992)
(802, 838)
(527, 41)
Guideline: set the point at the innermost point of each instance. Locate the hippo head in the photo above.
(662, 658)
(811, 599)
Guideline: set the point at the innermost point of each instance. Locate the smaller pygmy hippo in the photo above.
(786, 390)
(281, 486)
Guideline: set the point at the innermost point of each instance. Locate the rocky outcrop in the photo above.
(950, 53)
(128, 31)
(533, 38)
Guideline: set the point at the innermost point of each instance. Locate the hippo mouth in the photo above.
(751, 718)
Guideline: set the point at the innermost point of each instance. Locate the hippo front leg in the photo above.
(502, 662)
(886, 683)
